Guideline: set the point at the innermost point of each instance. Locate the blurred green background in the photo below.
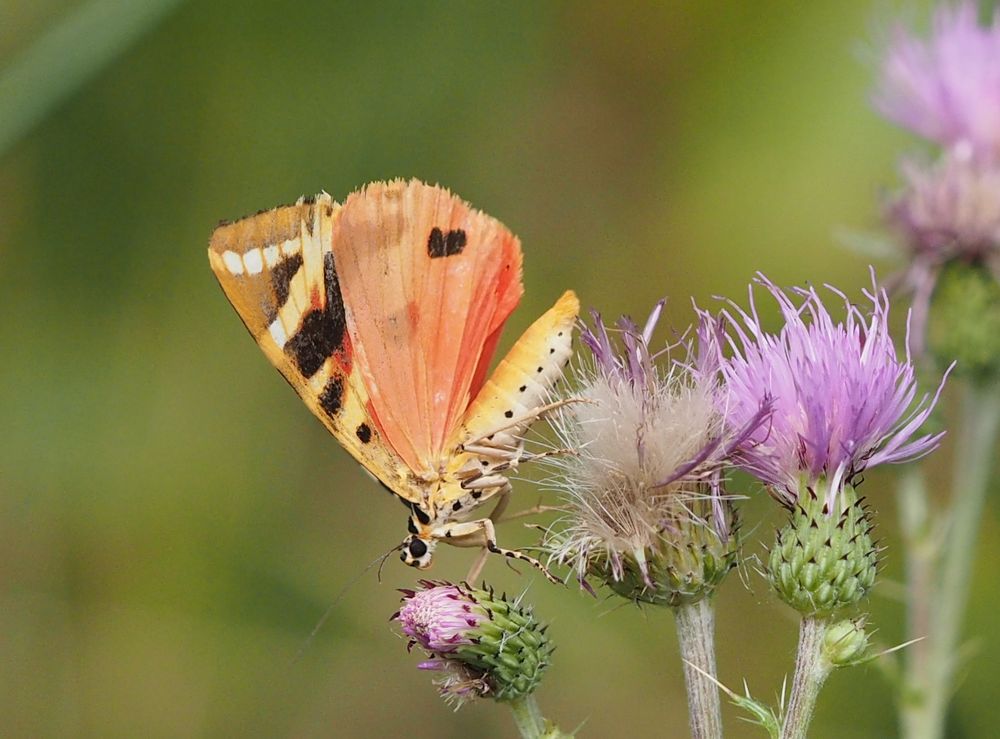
(173, 522)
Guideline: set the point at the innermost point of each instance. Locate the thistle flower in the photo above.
(950, 210)
(644, 507)
(481, 644)
(947, 88)
(949, 217)
(843, 401)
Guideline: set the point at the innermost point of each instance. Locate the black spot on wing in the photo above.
(322, 331)
(440, 244)
(364, 433)
(315, 340)
(281, 282)
(334, 300)
(332, 397)
(454, 242)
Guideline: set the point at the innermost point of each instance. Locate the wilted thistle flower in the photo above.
(947, 88)
(843, 401)
(644, 507)
(481, 644)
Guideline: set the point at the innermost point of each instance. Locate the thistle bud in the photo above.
(824, 558)
(483, 644)
(845, 642)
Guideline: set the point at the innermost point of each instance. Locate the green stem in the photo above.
(695, 624)
(924, 715)
(920, 541)
(811, 671)
(528, 717)
(921, 549)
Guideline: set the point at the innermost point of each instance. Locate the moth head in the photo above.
(417, 552)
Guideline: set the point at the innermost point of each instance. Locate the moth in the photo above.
(384, 313)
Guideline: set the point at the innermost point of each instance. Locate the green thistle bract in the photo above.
(964, 323)
(824, 560)
(510, 647)
(682, 568)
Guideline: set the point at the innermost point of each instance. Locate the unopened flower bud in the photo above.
(845, 642)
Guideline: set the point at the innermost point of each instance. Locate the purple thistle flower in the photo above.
(842, 399)
(947, 212)
(477, 643)
(947, 88)
(439, 617)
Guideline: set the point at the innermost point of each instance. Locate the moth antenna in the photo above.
(340, 596)
(382, 563)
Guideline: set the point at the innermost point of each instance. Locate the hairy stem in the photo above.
(528, 717)
(696, 634)
(921, 555)
(811, 671)
(931, 674)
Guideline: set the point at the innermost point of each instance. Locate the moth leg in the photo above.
(530, 458)
(533, 511)
(503, 498)
(482, 533)
(477, 566)
(498, 512)
(528, 418)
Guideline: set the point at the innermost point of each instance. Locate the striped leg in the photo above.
(482, 533)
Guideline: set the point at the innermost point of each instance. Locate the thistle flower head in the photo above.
(947, 213)
(946, 88)
(439, 618)
(645, 511)
(479, 643)
(950, 209)
(843, 400)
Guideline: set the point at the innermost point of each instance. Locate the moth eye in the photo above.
(418, 548)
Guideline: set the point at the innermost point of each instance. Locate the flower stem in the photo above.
(811, 671)
(529, 719)
(696, 634)
(930, 681)
(920, 541)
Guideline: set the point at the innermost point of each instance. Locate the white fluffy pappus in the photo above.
(649, 446)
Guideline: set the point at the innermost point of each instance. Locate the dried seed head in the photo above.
(645, 510)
